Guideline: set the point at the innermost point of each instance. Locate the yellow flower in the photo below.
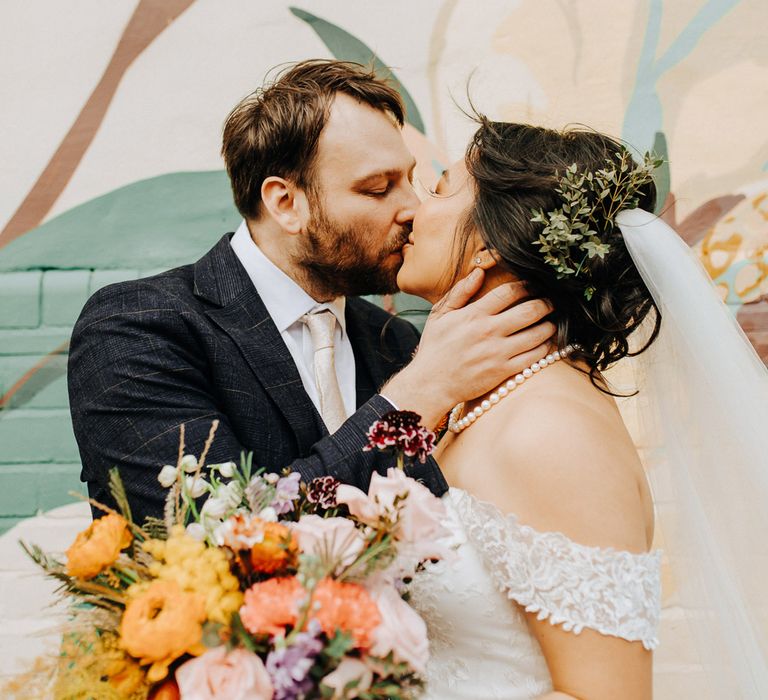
(196, 568)
(161, 624)
(98, 546)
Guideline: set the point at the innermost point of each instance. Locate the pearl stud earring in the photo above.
(478, 261)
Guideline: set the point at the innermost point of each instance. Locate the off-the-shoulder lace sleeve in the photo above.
(616, 593)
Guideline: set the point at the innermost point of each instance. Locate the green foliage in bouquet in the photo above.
(249, 574)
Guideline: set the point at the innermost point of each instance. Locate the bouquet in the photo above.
(254, 585)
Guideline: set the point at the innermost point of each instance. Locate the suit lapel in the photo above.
(221, 279)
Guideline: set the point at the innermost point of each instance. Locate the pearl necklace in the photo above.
(456, 426)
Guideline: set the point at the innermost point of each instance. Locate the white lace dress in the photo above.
(481, 646)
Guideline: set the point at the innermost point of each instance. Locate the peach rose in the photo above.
(98, 546)
(402, 630)
(331, 539)
(218, 675)
(349, 671)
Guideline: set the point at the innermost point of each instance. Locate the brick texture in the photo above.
(39, 461)
(20, 299)
(64, 294)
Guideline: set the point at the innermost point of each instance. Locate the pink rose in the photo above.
(402, 631)
(218, 675)
(349, 671)
(421, 512)
(332, 539)
(358, 503)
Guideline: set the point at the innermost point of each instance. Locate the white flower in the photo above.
(231, 493)
(269, 514)
(214, 508)
(189, 463)
(167, 476)
(271, 478)
(227, 470)
(196, 487)
(196, 531)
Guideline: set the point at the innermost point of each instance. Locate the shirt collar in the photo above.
(285, 300)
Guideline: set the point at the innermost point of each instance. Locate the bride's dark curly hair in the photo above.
(515, 170)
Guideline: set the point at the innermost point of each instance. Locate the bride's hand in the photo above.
(470, 347)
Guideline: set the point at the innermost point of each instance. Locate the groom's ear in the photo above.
(285, 203)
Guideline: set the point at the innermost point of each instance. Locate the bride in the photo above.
(554, 590)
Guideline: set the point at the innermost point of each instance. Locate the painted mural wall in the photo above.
(112, 115)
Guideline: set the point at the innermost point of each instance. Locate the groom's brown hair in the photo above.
(274, 131)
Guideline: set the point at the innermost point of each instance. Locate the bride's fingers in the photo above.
(460, 294)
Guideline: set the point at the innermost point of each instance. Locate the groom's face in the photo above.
(362, 202)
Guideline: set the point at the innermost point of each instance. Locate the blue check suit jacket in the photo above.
(196, 344)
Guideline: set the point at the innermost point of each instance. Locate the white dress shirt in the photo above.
(286, 303)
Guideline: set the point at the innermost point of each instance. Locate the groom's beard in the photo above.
(336, 261)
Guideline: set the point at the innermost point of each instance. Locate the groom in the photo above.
(265, 332)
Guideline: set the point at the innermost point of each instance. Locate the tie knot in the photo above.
(321, 326)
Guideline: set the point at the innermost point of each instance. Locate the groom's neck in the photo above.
(277, 247)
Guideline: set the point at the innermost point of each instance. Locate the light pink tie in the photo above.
(321, 326)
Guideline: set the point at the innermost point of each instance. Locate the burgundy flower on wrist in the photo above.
(403, 432)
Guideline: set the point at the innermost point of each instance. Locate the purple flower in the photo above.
(256, 494)
(289, 667)
(322, 491)
(286, 493)
(403, 431)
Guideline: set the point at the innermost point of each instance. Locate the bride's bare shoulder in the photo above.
(559, 457)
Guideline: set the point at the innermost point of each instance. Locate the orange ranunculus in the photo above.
(348, 607)
(98, 546)
(277, 550)
(167, 690)
(272, 605)
(161, 624)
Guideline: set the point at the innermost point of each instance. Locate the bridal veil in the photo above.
(700, 421)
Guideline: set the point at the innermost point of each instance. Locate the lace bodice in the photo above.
(481, 644)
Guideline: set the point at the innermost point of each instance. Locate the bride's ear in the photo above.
(484, 259)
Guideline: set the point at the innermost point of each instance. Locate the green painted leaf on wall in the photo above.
(661, 176)
(346, 47)
(160, 222)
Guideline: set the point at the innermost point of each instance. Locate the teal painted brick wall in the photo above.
(39, 461)
(64, 292)
(20, 299)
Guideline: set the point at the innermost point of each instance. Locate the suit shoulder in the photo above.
(171, 291)
(171, 286)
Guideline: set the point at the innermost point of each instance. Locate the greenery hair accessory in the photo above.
(577, 231)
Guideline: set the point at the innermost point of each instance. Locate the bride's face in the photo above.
(429, 263)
